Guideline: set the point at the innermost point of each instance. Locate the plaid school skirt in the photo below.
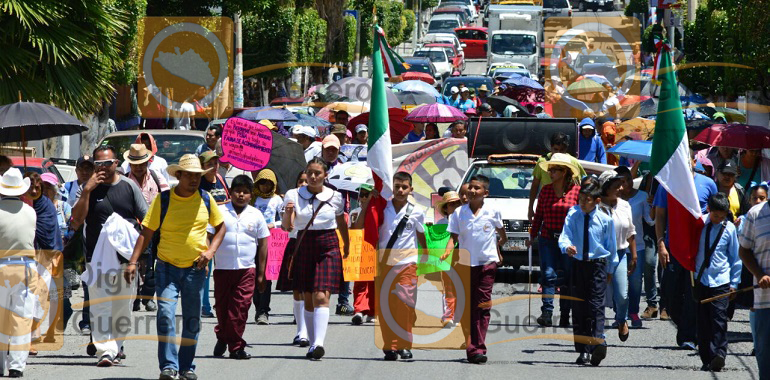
(318, 264)
(284, 283)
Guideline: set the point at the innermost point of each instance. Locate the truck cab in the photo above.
(515, 35)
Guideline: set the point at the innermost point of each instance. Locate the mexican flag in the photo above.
(379, 155)
(671, 165)
(393, 64)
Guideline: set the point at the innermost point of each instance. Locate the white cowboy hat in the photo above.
(13, 184)
(188, 163)
(138, 154)
(560, 159)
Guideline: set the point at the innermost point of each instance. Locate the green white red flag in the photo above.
(392, 63)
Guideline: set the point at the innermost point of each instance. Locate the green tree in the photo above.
(267, 40)
(64, 52)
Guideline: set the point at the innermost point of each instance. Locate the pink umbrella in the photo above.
(435, 113)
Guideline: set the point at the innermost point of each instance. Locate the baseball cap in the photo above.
(465, 89)
(207, 156)
(361, 127)
(330, 140)
(84, 160)
(50, 178)
(304, 130)
(338, 128)
(455, 90)
(366, 186)
(607, 176)
(728, 167)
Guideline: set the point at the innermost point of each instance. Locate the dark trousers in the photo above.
(712, 323)
(86, 313)
(677, 285)
(146, 291)
(482, 280)
(233, 290)
(262, 300)
(402, 298)
(589, 279)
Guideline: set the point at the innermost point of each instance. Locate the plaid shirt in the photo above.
(552, 210)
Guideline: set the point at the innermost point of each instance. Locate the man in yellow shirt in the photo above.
(182, 215)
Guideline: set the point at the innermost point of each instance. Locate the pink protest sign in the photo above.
(276, 245)
(246, 144)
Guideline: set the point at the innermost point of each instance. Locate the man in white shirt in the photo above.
(399, 234)
(236, 273)
(305, 136)
(184, 114)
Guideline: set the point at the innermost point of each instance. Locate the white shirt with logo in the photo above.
(477, 233)
(404, 250)
(239, 246)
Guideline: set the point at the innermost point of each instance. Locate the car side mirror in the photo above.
(437, 75)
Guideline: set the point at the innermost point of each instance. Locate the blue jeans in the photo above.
(643, 267)
(761, 332)
(553, 266)
(206, 301)
(620, 287)
(173, 283)
(344, 294)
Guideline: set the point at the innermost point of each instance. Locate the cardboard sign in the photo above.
(361, 263)
(429, 261)
(276, 246)
(246, 144)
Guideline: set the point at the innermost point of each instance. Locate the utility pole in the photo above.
(238, 72)
(357, 56)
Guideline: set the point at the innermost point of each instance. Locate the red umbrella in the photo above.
(398, 127)
(435, 113)
(740, 136)
(416, 75)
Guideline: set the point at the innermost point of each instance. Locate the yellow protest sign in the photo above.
(361, 263)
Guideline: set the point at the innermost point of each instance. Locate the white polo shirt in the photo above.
(304, 208)
(404, 249)
(239, 246)
(477, 233)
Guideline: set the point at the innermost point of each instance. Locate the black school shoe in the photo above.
(240, 355)
(583, 359)
(600, 352)
(478, 359)
(545, 320)
(220, 348)
(14, 373)
(405, 354)
(717, 363)
(391, 356)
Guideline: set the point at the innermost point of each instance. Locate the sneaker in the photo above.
(664, 315)
(263, 319)
(150, 306)
(240, 355)
(206, 314)
(448, 323)
(344, 309)
(650, 312)
(636, 322)
(545, 319)
(188, 375)
(85, 329)
(687, 346)
(477, 359)
(358, 319)
(105, 361)
(168, 374)
(371, 319)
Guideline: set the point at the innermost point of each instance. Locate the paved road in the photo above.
(351, 353)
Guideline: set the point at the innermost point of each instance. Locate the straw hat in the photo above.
(449, 197)
(12, 184)
(188, 163)
(269, 124)
(137, 154)
(560, 159)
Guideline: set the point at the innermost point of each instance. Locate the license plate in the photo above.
(515, 245)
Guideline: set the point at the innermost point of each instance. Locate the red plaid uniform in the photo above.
(318, 265)
(552, 210)
(284, 283)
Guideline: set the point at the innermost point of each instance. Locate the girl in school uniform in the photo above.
(316, 266)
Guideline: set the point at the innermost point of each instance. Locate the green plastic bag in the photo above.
(436, 236)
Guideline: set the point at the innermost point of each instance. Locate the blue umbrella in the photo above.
(269, 113)
(633, 149)
(308, 120)
(523, 82)
(418, 86)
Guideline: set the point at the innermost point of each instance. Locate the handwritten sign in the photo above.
(246, 144)
(361, 263)
(276, 246)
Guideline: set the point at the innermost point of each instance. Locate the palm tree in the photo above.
(64, 52)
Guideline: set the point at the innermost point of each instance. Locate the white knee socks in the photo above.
(309, 324)
(299, 316)
(320, 323)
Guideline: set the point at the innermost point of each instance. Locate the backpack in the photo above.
(165, 200)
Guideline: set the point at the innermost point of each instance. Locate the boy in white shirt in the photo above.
(479, 229)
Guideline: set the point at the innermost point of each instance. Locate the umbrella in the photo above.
(415, 97)
(585, 86)
(350, 175)
(635, 150)
(416, 85)
(638, 129)
(398, 127)
(356, 89)
(601, 79)
(521, 81)
(350, 108)
(269, 113)
(739, 136)
(287, 160)
(418, 76)
(435, 113)
(499, 102)
(303, 119)
(648, 107)
(25, 121)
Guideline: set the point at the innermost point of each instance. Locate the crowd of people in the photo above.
(139, 242)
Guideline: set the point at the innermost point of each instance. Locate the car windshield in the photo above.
(505, 181)
(513, 44)
(170, 147)
(472, 83)
(433, 55)
(421, 67)
(449, 52)
(555, 4)
(443, 25)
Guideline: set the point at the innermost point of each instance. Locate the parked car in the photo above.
(458, 63)
(556, 8)
(439, 58)
(444, 22)
(498, 69)
(465, 3)
(36, 164)
(471, 81)
(423, 65)
(475, 40)
(462, 12)
(596, 5)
